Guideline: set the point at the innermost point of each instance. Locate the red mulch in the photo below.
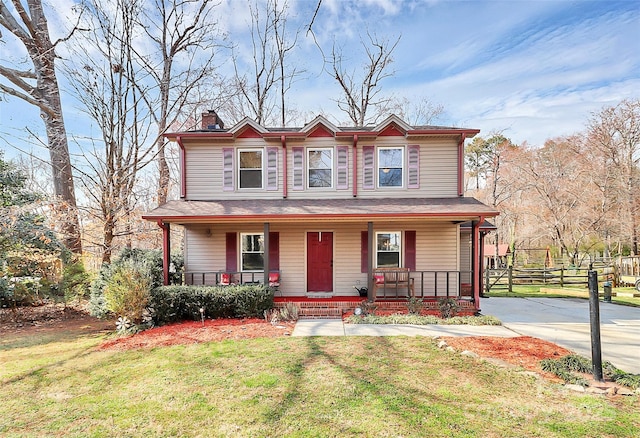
(195, 332)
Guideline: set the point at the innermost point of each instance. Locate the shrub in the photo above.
(448, 307)
(75, 281)
(149, 261)
(127, 292)
(177, 303)
(415, 305)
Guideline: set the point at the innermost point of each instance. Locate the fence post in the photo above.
(594, 317)
(562, 276)
(510, 279)
(487, 285)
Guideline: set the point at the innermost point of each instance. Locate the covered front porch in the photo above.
(330, 250)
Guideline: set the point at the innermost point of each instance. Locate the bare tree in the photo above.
(107, 85)
(183, 33)
(271, 44)
(615, 133)
(38, 86)
(416, 112)
(361, 99)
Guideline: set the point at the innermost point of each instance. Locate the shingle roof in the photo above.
(320, 209)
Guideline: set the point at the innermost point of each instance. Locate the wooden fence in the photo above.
(506, 278)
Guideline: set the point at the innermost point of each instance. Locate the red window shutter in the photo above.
(272, 168)
(364, 251)
(227, 169)
(414, 167)
(410, 250)
(274, 251)
(232, 252)
(298, 168)
(343, 167)
(368, 167)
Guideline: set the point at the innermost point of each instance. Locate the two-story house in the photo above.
(322, 208)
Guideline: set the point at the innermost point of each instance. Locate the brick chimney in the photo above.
(211, 121)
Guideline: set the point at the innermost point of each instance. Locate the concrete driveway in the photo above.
(565, 321)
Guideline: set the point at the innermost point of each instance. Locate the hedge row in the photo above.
(178, 303)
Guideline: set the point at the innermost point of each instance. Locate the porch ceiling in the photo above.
(343, 210)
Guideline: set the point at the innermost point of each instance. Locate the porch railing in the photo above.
(212, 278)
(427, 284)
(434, 284)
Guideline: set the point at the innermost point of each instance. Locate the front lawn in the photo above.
(291, 387)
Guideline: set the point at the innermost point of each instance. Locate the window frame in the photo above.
(241, 169)
(242, 252)
(379, 168)
(399, 250)
(309, 168)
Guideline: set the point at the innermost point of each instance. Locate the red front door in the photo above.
(319, 262)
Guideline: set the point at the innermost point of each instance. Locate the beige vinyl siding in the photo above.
(436, 250)
(465, 256)
(438, 169)
(204, 171)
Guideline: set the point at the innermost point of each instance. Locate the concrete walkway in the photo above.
(562, 321)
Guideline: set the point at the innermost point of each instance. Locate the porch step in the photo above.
(320, 313)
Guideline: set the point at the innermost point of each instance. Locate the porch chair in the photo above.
(274, 280)
(225, 279)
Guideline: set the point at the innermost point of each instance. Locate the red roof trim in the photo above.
(319, 216)
(298, 134)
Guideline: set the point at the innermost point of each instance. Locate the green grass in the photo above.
(287, 387)
(523, 291)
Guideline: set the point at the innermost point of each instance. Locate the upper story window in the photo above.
(388, 249)
(390, 167)
(252, 252)
(320, 167)
(250, 169)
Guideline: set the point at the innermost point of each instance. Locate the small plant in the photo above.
(448, 307)
(290, 312)
(566, 366)
(368, 307)
(415, 305)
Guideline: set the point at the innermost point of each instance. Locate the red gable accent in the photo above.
(320, 131)
(249, 132)
(390, 131)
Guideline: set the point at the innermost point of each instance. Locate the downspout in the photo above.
(355, 165)
(183, 168)
(463, 137)
(476, 261)
(481, 262)
(166, 250)
(283, 139)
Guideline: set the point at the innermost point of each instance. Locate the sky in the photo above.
(531, 70)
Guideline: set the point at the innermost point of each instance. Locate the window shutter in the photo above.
(410, 250)
(227, 169)
(232, 252)
(298, 168)
(368, 167)
(343, 167)
(274, 251)
(272, 168)
(414, 167)
(364, 251)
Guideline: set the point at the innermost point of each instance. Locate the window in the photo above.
(250, 169)
(388, 249)
(390, 167)
(320, 165)
(252, 252)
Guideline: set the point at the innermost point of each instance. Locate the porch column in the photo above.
(475, 255)
(370, 256)
(166, 251)
(266, 253)
(481, 263)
